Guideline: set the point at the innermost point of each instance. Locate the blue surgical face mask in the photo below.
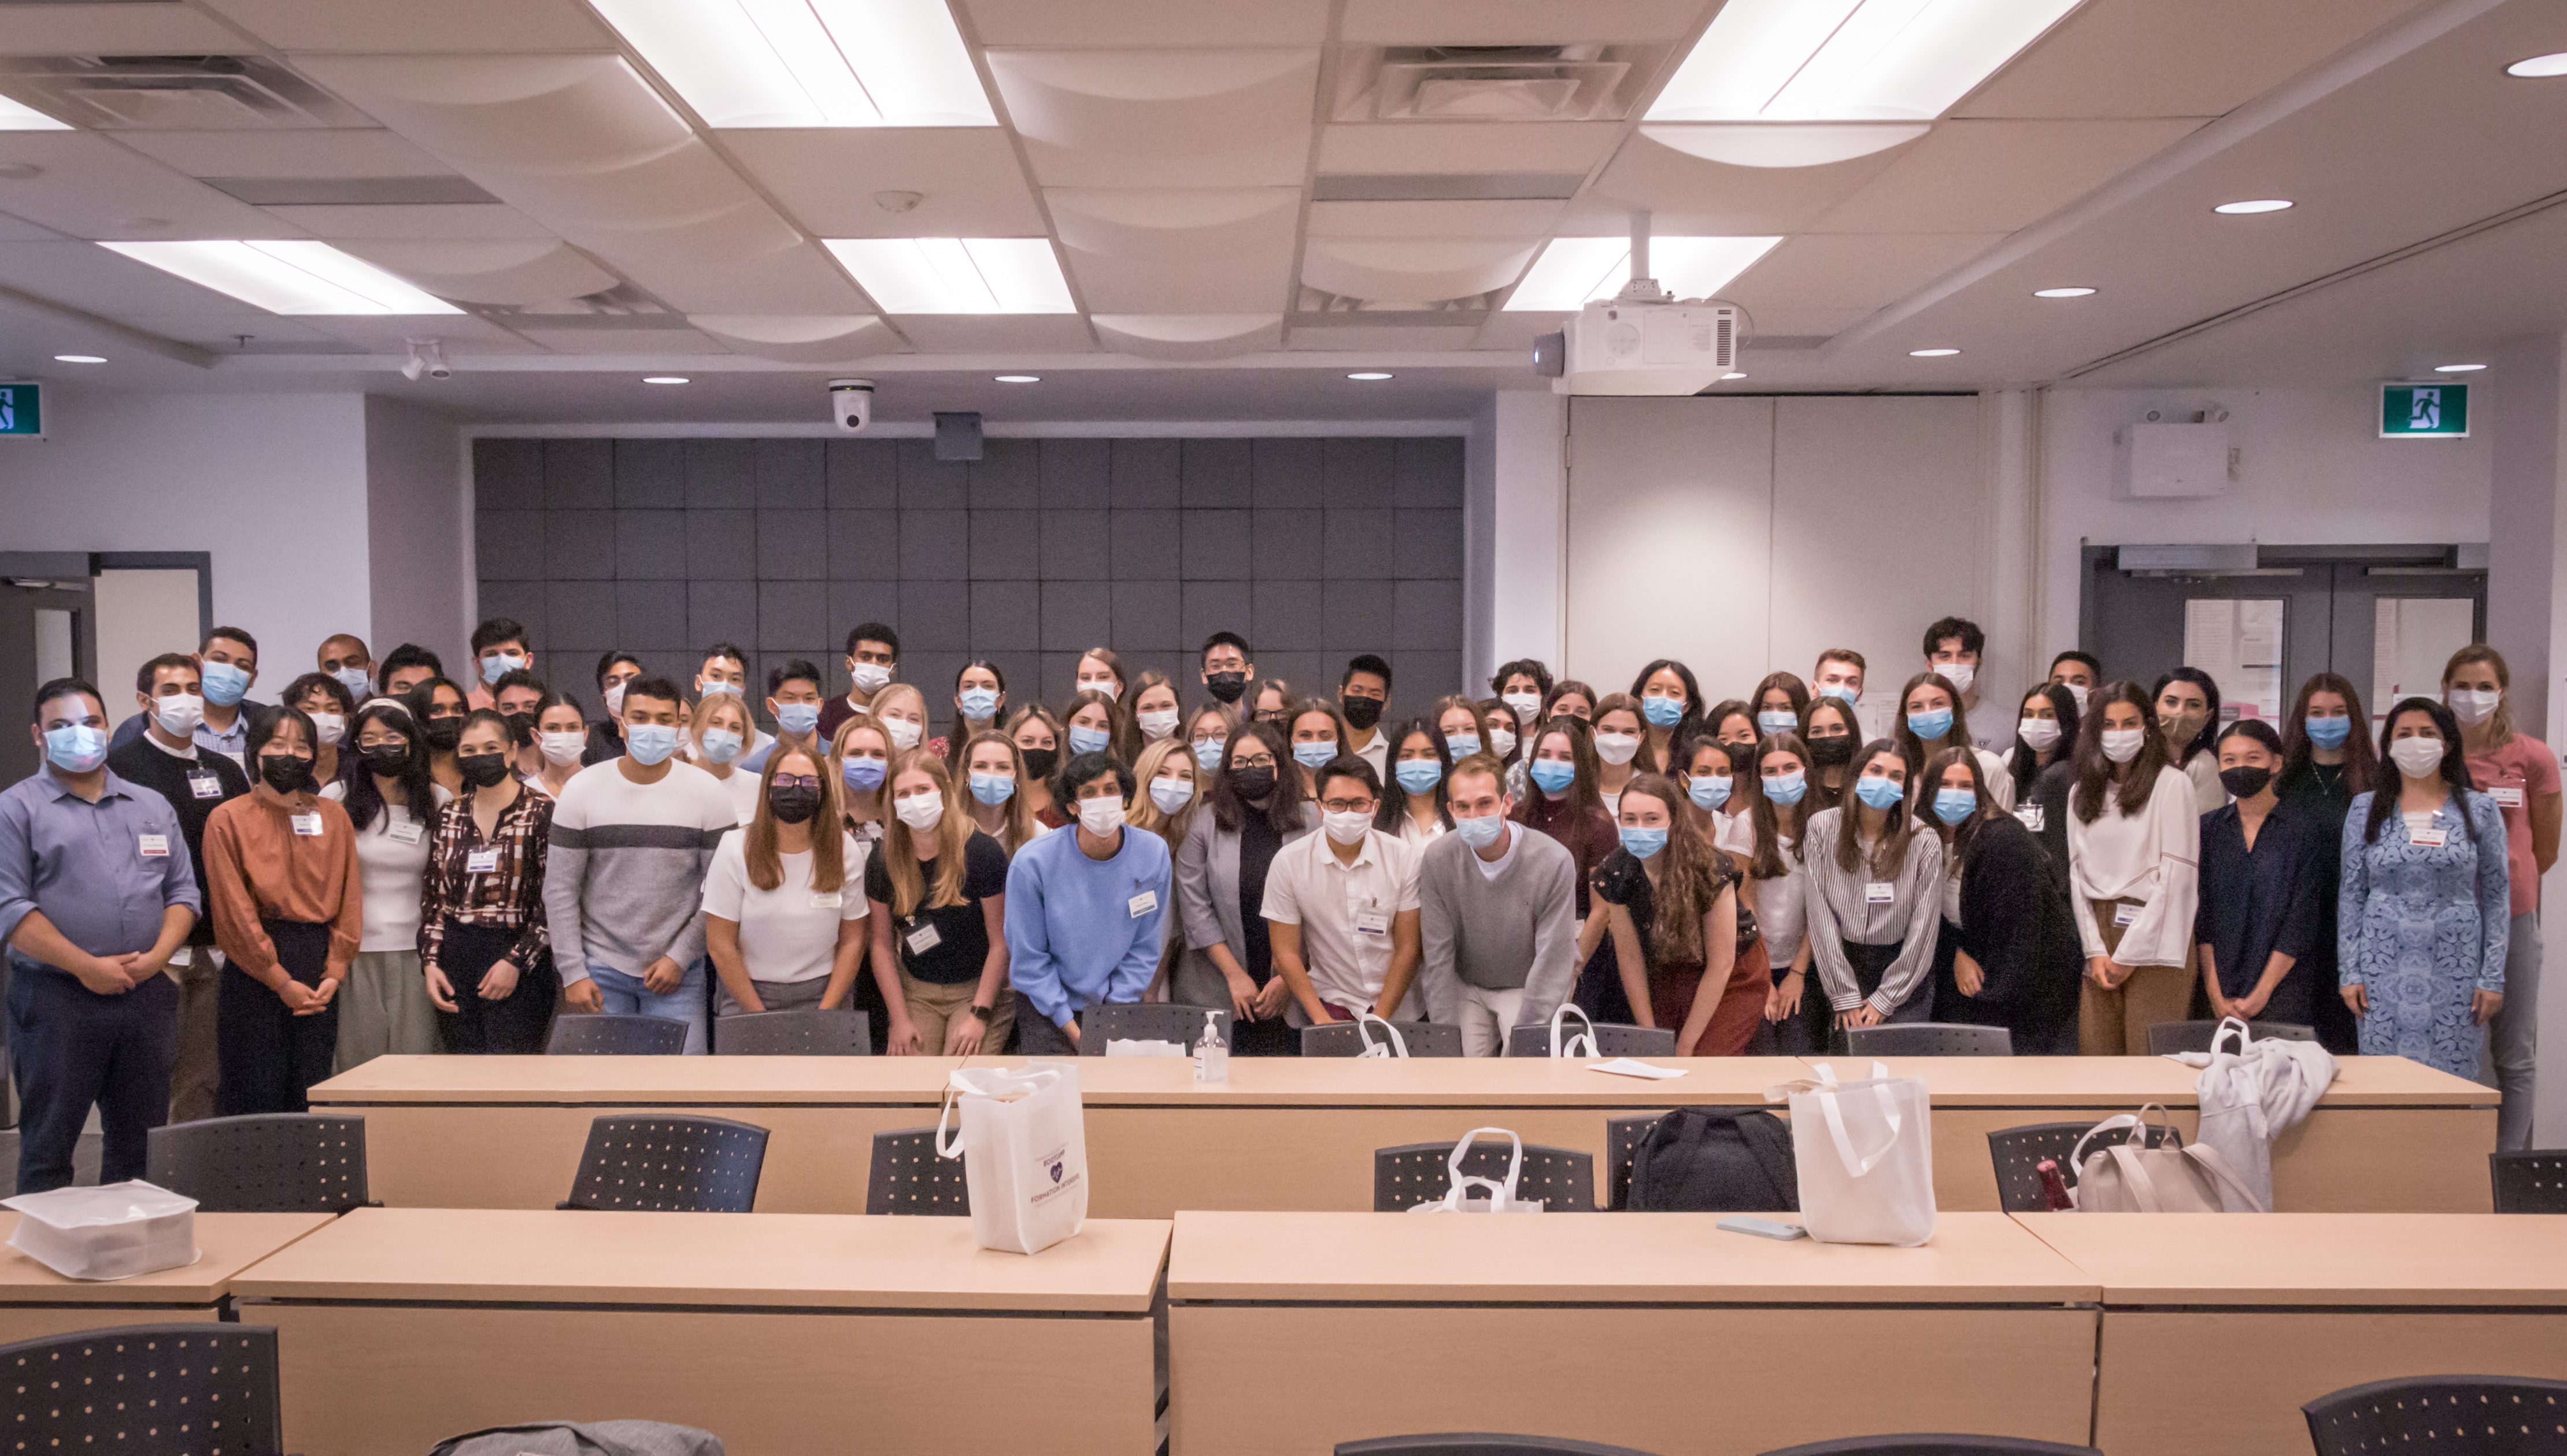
(1931, 724)
(979, 704)
(1952, 806)
(1879, 791)
(2326, 733)
(709, 688)
(1315, 753)
(1418, 776)
(1208, 754)
(1554, 776)
(1774, 721)
(720, 744)
(1841, 692)
(864, 774)
(499, 665)
(1480, 832)
(1661, 711)
(1643, 843)
(1708, 792)
(648, 743)
(993, 789)
(1785, 789)
(797, 718)
(1461, 745)
(1085, 739)
(225, 684)
(75, 748)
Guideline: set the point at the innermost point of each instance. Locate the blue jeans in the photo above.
(624, 996)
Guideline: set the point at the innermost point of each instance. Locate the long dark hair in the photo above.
(1283, 811)
(1765, 862)
(961, 733)
(1392, 815)
(1913, 747)
(1966, 833)
(2095, 771)
(419, 786)
(2361, 760)
(2455, 769)
(1896, 824)
(2022, 764)
(1684, 724)
(2210, 733)
(1691, 875)
(1792, 688)
(1584, 796)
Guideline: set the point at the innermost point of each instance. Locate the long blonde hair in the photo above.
(1144, 811)
(900, 851)
(861, 723)
(706, 709)
(893, 693)
(1019, 828)
(2500, 725)
(828, 831)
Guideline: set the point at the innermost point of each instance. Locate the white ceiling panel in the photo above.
(800, 339)
(1356, 338)
(115, 30)
(1208, 250)
(1151, 23)
(460, 337)
(520, 272)
(999, 334)
(87, 277)
(1414, 270)
(1145, 119)
(1213, 284)
(285, 152)
(1687, 195)
(414, 221)
(1190, 335)
(1516, 22)
(223, 331)
(379, 26)
(1434, 219)
(1847, 272)
(1996, 177)
(2175, 58)
(90, 188)
(969, 181)
(671, 343)
(1465, 147)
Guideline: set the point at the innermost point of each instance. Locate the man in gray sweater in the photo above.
(1499, 915)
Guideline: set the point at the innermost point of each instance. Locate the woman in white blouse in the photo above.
(391, 799)
(2133, 871)
(1413, 802)
(784, 899)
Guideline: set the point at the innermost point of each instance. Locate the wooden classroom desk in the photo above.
(1289, 1332)
(36, 1300)
(2216, 1331)
(779, 1333)
(2390, 1135)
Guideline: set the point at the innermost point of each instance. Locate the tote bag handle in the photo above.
(1856, 1165)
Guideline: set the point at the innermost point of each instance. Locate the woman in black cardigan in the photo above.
(2009, 954)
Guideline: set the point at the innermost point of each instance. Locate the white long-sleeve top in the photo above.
(2154, 856)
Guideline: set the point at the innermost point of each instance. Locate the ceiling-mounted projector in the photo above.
(1624, 346)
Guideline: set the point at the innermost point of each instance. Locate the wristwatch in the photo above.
(983, 1012)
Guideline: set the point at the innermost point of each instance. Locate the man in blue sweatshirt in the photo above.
(1085, 909)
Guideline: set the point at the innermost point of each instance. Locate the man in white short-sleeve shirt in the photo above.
(1341, 906)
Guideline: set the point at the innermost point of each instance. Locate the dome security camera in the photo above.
(851, 405)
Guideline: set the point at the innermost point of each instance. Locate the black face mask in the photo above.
(386, 760)
(481, 770)
(1361, 713)
(1040, 763)
(285, 772)
(1253, 783)
(1227, 687)
(2245, 782)
(524, 723)
(793, 803)
(1830, 752)
(443, 733)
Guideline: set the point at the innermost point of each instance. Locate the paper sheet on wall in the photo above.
(2410, 638)
(2239, 644)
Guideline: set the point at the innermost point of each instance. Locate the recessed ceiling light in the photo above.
(1020, 379)
(79, 359)
(1368, 375)
(665, 379)
(958, 275)
(1847, 60)
(809, 63)
(1931, 353)
(1733, 374)
(2256, 204)
(287, 276)
(2457, 368)
(2063, 292)
(1574, 272)
(2538, 67)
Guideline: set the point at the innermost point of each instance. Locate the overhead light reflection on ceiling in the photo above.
(1572, 272)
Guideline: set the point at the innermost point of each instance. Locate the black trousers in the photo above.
(73, 1049)
(512, 1026)
(271, 1056)
(2041, 1024)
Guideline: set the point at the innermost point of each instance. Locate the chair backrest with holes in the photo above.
(836, 1032)
(225, 1374)
(1622, 1139)
(1562, 1180)
(272, 1162)
(1935, 1445)
(909, 1178)
(602, 1034)
(2018, 1152)
(2165, 1038)
(2533, 1181)
(1613, 1039)
(1423, 1038)
(1928, 1039)
(2448, 1415)
(1147, 1021)
(667, 1163)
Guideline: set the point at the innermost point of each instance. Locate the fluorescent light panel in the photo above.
(19, 117)
(1576, 271)
(958, 275)
(287, 276)
(1849, 60)
(809, 63)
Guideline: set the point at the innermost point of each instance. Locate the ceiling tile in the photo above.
(440, 220)
(266, 331)
(1434, 219)
(1466, 146)
(1414, 270)
(14, 229)
(1152, 23)
(2173, 58)
(676, 343)
(1154, 119)
(1516, 22)
(518, 272)
(1190, 335)
(85, 277)
(284, 152)
(998, 332)
(1686, 195)
(115, 30)
(449, 26)
(970, 182)
(801, 338)
(1840, 272)
(1354, 338)
(460, 337)
(1983, 177)
(90, 188)
(1178, 250)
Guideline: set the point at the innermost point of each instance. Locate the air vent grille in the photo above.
(1583, 83)
(172, 92)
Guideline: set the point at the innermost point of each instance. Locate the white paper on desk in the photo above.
(1624, 1067)
(1119, 1047)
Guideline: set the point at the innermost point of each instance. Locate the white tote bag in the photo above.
(1579, 1044)
(1865, 1155)
(1492, 1195)
(1397, 1046)
(114, 1231)
(1024, 1145)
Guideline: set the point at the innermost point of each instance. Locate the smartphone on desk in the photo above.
(1763, 1228)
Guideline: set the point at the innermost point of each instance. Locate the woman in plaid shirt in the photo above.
(482, 923)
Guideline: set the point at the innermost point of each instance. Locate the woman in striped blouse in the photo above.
(481, 936)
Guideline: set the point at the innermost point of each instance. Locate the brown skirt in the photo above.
(1735, 1020)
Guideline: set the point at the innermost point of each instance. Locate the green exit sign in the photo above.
(22, 412)
(2424, 411)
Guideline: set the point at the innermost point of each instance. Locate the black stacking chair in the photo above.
(2165, 1038)
(599, 1035)
(642, 1161)
(1928, 1039)
(2018, 1153)
(57, 1388)
(1478, 1444)
(1621, 1143)
(1935, 1445)
(1613, 1039)
(272, 1162)
(1563, 1179)
(2448, 1415)
(2531, 1182)
(839, 1033)
(1148, 1021)
(1422, 1038)
(909, 1178)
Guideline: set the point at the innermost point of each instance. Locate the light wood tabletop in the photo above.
(2124, 1082)
(231, 1243)
(2304, 1258)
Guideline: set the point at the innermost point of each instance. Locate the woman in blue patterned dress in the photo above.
(2424, 899)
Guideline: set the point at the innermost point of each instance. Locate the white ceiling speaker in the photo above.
(1113, 119)
(1782, 143)
(516, 272)
(801, 338)
(1190, 335)
(1412, 270)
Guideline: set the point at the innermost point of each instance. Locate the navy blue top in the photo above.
(102, 872)
(2270, 898)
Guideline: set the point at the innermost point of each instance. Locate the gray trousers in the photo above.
(2513, 1037)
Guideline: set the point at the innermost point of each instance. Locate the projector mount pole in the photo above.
(1642, 288)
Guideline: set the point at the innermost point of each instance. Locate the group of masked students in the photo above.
(224, 902)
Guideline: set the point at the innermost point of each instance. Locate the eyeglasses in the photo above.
(1347, 806)
(796, 780)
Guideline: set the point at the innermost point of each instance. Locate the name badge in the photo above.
(2032, 817)
(2126, 915)
(481, 861)
(308, 825)
(404, 831)
(2428, 838)
(2510, 798)
(1880, 892)
(204, 785)
(833, 899)
(1143, 903)
(1372, 922)
(923, 939)
(155, 846)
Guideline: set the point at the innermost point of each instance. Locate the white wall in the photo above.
(419, 519)
(1528, 560)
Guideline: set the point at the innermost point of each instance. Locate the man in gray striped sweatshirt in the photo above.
(623, 872)
(1500, 915)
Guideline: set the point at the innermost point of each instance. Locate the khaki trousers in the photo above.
(936, 1010)
(2116, 1023)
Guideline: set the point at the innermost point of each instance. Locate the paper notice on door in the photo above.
(2239, 644)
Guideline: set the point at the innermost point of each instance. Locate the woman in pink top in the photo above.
(2521, 776)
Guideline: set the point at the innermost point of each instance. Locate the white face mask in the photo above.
(904, 734)
(1348, 827)
(179, 714)
(2039, 732)
(1105, 686)
(1171, 794)
(1524, 706)
(1501, 741)
(562, 750)
(1100, 816)
(2076, 694)
(1617, 748)
(921, 811)
(2123, 744)
(2418, 757)
(869, 677)
(329, 728)
(1960, 675)
(2472, 707)
(1158, 724)
(615, 701)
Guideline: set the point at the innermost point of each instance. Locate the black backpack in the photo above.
(1715, 1160)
